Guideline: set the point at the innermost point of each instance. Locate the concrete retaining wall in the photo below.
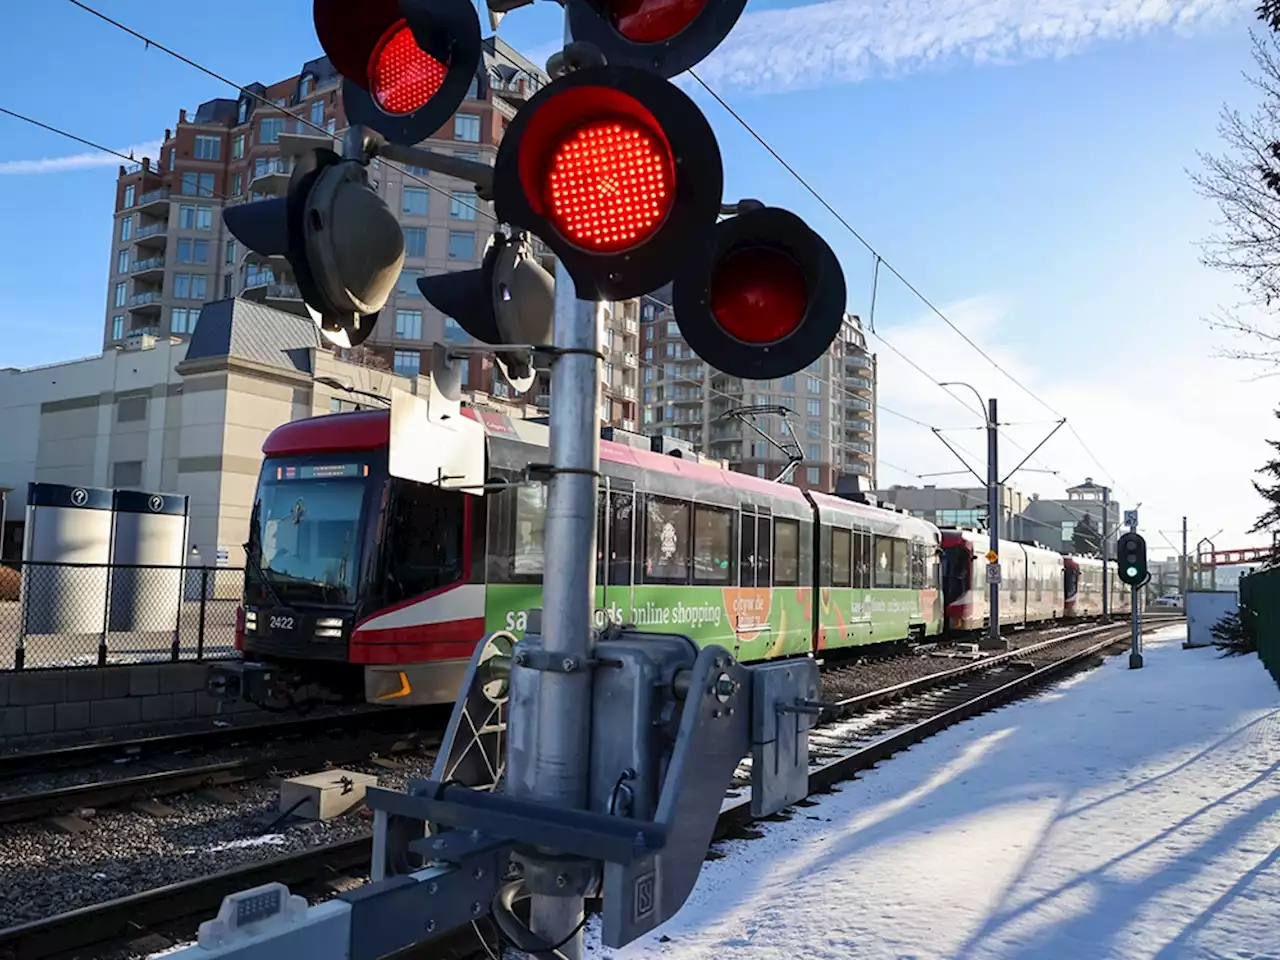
(106, 701)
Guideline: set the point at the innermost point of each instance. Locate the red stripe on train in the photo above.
(452, 640)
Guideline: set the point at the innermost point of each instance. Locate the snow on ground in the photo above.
(1122, 814)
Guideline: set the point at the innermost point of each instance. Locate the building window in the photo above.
(788, 384)
(408, 324)
(673, 329)
(335, 405)
(237, 147)
(117, 328)
(415, 241)
(331, 125)
(173, 157)
(473, 90)
(960, 518)
(271, 129)
(813, 384)
(305, 85)
(128, 196)
(462, 206)
(126, 228)
(813, 475)
(190, 286)
(182, 320)
(811, 451)
(462, 245)
(122, 294)
(208, 148)
(231, 251)
(126, 473)
(466, 126)
(415, 201)
(242, 113)
(407, 284)
(813, 408)
(407, 363)
(192, 217)
(317, 112)
(1068, 530)
(122, 261)
(226, 285)
(453, 332)
(193, 251)
(237, 184)
(197, 184)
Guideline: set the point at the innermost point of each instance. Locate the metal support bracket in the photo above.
(783, 710)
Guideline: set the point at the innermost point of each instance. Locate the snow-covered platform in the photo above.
(1122, 814)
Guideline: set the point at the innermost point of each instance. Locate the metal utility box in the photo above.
(325, 795)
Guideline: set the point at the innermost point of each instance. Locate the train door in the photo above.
(615, 547)
(751, 601)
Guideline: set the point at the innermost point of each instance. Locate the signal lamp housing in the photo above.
(617, 171)
(342, 242)
(406, 64)
(510, 299)
(764, 298)
(1131, 559)
(665, 36)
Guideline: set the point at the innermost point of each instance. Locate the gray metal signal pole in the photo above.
(993, 517)
(550, 720)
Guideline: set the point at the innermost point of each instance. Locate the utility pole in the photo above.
(1182, 563)
(1102, 544)
(994, 640)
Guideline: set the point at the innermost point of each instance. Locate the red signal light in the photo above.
(759, 294)
(652, 21)
(403, 76)
(608, 186)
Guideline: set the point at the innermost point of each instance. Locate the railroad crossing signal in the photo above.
(343, 244)
(406, 64)
(665, 36)
(1131, 553)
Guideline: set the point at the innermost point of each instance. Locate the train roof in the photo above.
(952, 537)
(371, 430)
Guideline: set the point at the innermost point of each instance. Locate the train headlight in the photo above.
(251, 620)
(329, 628)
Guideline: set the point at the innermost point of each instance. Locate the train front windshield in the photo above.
(306, 531)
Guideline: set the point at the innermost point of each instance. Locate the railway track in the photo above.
(268, 749)
(856, 734)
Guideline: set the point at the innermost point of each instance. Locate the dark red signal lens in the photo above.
(609, 184)
(759, 294)
(652, 21)
(402, 76)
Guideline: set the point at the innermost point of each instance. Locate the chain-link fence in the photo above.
(1260, 614)
(76, 614)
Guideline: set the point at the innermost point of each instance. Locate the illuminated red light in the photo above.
(609, 185)
(653, 21)
(402, 76)
(759, 294)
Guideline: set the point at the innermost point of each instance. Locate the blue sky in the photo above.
(1021, 162)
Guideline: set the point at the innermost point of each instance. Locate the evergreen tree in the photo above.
(1269, 490)
(1086, 540)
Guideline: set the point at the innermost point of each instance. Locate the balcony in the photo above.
(155, 203)
(630, 359)
(151, 269)
(282, 296)
(859, 446)
(270, 177)
(857, 360)
(629, 425)
(516, 90)
(153, 235)
(857, 403)
(145, 303)
(859, 383)
(858, 428)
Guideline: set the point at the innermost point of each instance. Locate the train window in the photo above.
(620, 537)
(424, 542)
(841, 558)
(666, 545)
(915, 554)
(1039, 575)
(882, 575)
(901, 565)
(786, 553)
(602, 535)
(530, 530)
(747, 551)
(764, 551)
(712, 545)
(862, 565)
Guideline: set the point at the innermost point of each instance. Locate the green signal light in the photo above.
(1130, 571)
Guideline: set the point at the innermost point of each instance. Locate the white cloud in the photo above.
(843, 41)
(1182, 435)
(78, 161)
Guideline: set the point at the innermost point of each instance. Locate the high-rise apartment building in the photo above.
(171, 253)
(833, 410)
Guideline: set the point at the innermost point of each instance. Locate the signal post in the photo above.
(1131, 556)
(605, 756)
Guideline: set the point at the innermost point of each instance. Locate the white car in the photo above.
(1168, 600)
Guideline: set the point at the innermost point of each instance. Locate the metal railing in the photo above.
(56, 615)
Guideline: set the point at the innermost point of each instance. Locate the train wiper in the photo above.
(251, 561)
